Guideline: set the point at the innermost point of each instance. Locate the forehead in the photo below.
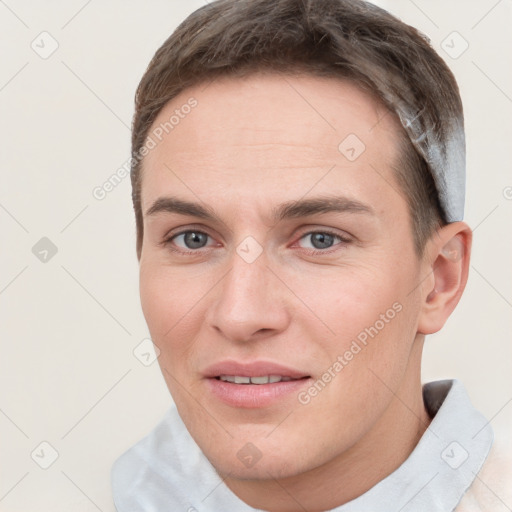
(266, 130)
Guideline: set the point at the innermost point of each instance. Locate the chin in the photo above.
(270, 466)
(257, 456)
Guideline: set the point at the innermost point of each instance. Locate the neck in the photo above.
(350, 474)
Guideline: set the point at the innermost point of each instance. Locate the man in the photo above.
(298, 184)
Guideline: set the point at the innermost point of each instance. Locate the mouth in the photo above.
(259, 380)
(254, 385)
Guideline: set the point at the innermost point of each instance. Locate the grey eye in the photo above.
(319, 240)
(192, 239)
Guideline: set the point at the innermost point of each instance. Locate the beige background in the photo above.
(69, 325)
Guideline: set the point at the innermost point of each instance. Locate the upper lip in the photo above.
(252, 369)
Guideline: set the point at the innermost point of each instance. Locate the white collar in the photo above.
(167, 470)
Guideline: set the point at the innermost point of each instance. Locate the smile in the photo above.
(254, 384)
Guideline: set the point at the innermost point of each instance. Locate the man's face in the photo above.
(304, 268)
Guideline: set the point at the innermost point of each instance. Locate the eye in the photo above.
(321, 240)
(190, 239)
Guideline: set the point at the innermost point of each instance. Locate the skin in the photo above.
(251, 144)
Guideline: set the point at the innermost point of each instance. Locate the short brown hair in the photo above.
(347, 39)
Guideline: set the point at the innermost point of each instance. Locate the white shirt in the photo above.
(166, 471)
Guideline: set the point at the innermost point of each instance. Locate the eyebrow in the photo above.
(288, 210)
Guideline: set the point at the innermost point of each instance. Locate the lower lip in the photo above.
(251, 396)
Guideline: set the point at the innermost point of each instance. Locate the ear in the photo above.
(446, 262)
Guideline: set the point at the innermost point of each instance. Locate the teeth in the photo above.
(264, 379)
(259, 380)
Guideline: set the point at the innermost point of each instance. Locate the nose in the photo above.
(250, 302)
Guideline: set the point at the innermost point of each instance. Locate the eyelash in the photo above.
(342, 242)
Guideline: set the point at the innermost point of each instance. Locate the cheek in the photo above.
(172, 309)
(372, 318)
(157, 299)
(171, 304)
(351, 299)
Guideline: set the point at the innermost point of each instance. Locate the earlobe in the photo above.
(449, 254)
